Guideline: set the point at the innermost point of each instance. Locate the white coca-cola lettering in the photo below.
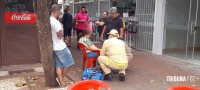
(25, 17)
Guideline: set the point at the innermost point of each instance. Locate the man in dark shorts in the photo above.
(112, 22)
(67, 22)
(82, 22)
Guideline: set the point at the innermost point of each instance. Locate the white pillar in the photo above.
(159, 21)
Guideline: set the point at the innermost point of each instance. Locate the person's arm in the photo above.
(102, 33)
(121, 32)
(93, 47)
(103, 50)
(87, 21)
(63, 19)
(59, 30)
(100, 23)
(90, 45)
(121, 28)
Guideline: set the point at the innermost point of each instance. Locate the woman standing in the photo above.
(100, 28)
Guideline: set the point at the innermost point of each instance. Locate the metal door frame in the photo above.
(192, 27)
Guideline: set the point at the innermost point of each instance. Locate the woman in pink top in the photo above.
(82, 22)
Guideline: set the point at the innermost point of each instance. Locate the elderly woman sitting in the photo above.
(90, 46)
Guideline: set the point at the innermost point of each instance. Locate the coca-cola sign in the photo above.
(14, 17)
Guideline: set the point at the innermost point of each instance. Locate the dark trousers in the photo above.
(78, 33)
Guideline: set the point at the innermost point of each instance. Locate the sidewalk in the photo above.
(146, 72)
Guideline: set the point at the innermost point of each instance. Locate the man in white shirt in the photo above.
(63, 57)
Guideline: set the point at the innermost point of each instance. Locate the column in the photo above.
(159, 21)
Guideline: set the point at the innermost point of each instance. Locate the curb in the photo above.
(7, 73)
(37, 69)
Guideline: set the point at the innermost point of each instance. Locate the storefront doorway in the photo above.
(182, 29)
(18, 39)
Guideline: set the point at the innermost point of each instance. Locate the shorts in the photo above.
(67, 32)
(92, 54)
(63, 58)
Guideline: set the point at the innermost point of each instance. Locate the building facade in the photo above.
(165, 27)
(18, 39)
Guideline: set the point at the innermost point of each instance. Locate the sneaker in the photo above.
(108, 77)
(121, 77)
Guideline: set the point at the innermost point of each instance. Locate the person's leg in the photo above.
(92, 54)
(122, 71)
(67, 60)
(59, 70)
(69, 37)
(78, 37)
(60, 76)
(69, 41)
(107, 64)
(103, 61)
(65, 36)
(65, 71)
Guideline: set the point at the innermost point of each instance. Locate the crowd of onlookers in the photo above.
(113, 54)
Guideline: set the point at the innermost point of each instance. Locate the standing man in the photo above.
(82, 22)
(112, 22)
(67, 22)
(63, 57)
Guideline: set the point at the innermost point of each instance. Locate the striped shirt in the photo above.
(86, 41)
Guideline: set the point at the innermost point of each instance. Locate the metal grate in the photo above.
(145, 16)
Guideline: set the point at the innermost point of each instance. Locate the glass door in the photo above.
(193, 34)
(176, 28)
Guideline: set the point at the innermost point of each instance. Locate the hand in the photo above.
(60, 37)
(82, 20)
(101, 37)
(121, 38)
(60, 34)
(97, 22)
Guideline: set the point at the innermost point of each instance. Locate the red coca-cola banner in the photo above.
(20, 17)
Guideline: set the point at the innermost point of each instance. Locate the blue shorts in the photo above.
(63, 58)
(92, 54)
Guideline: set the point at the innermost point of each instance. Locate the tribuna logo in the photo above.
(21, 17)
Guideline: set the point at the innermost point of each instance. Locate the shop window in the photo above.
(19, 11)
(125, 6)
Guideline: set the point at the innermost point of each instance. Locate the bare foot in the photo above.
(63, 84)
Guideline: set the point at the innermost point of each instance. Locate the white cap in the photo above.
(114, 32)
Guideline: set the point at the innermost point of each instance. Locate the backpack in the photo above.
(91, 73)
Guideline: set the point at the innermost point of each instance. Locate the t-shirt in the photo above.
(82, 25)
(100, 28)
(67, 20)
(58, 44)
(112, 23)
(86, 41)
